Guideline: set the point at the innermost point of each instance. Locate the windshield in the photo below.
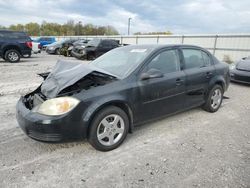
(94, 42)
(122, 61)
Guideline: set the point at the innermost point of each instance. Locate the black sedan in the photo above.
(104, 100)
(94, 48)
(240, 71)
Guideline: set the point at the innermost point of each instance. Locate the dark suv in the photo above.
(94, 48)
(14, 45)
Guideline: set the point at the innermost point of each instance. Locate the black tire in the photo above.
(90, 56)
(12, 56)
(57, 51)
(96, 124)
(209, 105)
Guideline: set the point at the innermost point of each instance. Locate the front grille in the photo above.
(242, 78)
(44, 137)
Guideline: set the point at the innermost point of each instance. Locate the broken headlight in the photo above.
(56, 106)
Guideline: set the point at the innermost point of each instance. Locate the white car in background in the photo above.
(36, 47)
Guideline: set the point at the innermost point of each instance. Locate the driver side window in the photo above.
(166, 62)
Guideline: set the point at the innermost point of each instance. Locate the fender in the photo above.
(218, 79)
(8, 45)
(109, 100)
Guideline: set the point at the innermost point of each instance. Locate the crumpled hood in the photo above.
(65, 74)
(243, 65)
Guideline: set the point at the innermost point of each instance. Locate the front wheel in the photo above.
(90, 56)
(109, 128)
(214, 99)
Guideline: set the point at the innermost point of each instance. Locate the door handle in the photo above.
(209, 74)
(178, 81)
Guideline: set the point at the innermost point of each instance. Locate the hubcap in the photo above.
(110, 130)
(13, 56)
(216, 99)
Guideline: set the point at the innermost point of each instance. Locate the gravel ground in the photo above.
(190, 149)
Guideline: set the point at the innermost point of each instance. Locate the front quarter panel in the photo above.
(120, 92)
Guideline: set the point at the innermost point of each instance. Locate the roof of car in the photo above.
(156, 46)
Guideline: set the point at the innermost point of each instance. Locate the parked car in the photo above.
(45, 40)
(55, 47)
(36, 47)
(76, 44)
(240, 71)
(94, 48)
(105, 99)
(64, 50)
(14, 45)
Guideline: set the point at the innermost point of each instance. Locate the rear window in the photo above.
(14, 35)
(193, 58)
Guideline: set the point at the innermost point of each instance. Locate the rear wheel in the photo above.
(214, 99)
(109, 128)
(12, 56)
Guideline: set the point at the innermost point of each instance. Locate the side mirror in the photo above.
(151, 73)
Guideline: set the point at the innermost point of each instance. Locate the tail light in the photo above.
(29, 44)
(39, 46)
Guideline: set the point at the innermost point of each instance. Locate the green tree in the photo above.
(68, 29)
(33, 29)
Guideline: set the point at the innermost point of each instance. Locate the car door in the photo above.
(199, 71)
(162, 94)
(104, 47)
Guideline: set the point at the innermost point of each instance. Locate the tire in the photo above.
(57, 51)
(12, 56)
(90, 56)
(214, 99)
(109, 136)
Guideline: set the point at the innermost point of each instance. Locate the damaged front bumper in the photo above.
(78, 55)
(49, 128)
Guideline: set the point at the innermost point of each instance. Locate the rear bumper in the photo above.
(49, 128)
(240, 76)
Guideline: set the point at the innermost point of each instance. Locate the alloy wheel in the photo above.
(110, 130)
(216, 98)
(13, 56)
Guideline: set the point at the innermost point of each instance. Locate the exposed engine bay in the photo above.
(91, 80)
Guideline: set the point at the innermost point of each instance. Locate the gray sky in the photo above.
(177, 16)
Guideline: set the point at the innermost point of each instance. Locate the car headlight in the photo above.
(56, 106)
(82, 52)
(232, 66)
(51, 48)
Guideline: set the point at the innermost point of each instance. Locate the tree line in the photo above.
(68, 29)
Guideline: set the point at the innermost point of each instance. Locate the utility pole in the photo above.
(79, 24)
(129, 25)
